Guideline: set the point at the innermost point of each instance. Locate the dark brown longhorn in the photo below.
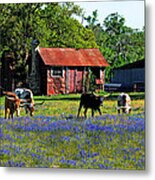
(90, 101)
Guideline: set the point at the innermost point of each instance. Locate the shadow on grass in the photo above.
(76, 97)
(57, 99)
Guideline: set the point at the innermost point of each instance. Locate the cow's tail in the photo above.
(34, 104)
(39, 104)
(137, 108)
(79, 110)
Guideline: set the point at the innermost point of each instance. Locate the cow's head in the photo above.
(99, 100)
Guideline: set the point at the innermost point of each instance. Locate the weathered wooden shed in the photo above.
(130, 76)
(64, 70)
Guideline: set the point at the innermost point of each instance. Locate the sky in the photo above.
(133, 11)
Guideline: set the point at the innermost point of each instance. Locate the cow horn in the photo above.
(107, 95)
(11, 98)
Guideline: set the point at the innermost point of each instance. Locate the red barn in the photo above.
(64, 70)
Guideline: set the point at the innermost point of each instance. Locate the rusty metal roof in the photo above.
(72, 57)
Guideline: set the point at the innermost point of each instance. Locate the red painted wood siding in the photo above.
(71, 80)
(75, 80)
(79, 80)
(57, 85)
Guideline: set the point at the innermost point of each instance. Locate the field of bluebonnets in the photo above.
(55, 138)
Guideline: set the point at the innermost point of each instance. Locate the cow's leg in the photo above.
(5, 113)
(6, 109)
(32, 110)
(99, 110)
(118, 111)
(85, 112)
(92, 112)
(11, 115)
(17, 112)
(79, 110)
(26, 109)
(124, 110)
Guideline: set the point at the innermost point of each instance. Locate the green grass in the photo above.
(68, 104)
(55, 138)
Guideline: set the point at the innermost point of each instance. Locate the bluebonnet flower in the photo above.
(8, 137)
(1, 135)
(76, 129)
(66, 138)
(95, 154)
(84, 161)
(89, 154)
(82, 153)
(125, 157)
(71, 162)
(79, 146)
(62, 160)
(83, 135)
(77, 137)
(5, 151)
(50, 159)
(101, 166)
(12, 163)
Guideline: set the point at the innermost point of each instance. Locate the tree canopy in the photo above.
(54, 25)
(118, 43)
(51, 23)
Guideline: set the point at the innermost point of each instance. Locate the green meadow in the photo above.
(56, 138)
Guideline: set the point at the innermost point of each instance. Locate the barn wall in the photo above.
(128, 76)
(72, 72)
(75, 79)
(79, 80)
(100, 81)
(71, 82)
(102, 78)
(55, 85)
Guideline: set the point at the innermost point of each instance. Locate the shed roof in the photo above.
(72, 57)
(137, 64)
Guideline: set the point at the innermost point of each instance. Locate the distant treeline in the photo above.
(54, 25)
